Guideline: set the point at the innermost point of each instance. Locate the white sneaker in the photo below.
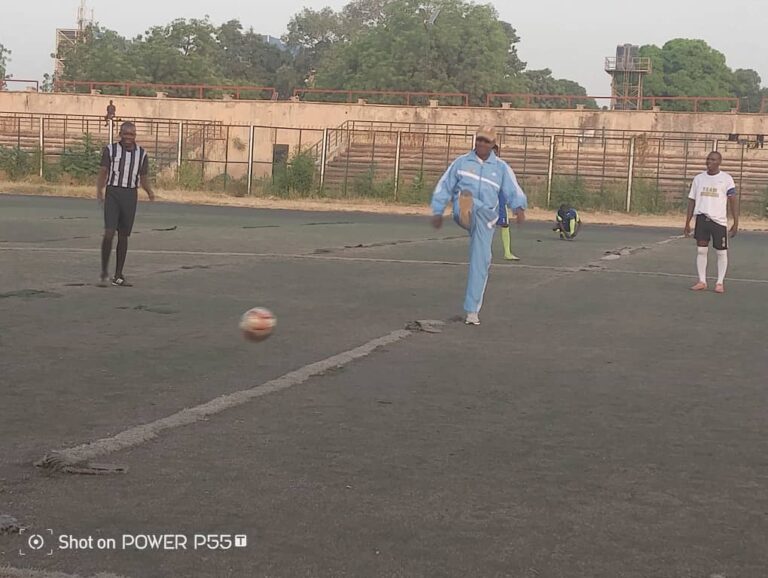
(472, 319)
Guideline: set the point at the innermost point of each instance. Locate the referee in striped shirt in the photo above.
(124, 166)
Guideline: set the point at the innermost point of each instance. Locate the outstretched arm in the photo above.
(101, 184)
(733, 205)
(688, 217)
(691, 208)
(513, 193)
(101, 179)
(144, 179)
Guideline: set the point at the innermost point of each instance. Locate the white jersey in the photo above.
(711, 193)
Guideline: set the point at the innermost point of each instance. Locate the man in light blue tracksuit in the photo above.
(474, 184)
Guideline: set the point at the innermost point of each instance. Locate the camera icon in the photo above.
(36, 542)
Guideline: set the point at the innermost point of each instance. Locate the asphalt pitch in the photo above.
(602, 422)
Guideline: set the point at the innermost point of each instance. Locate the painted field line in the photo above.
(143, 433)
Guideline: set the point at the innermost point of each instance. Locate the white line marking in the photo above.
(312, 257)
(677, 275)
(500, 266)
(140, 434)
(8, 572)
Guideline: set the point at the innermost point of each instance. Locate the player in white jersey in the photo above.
(712, 194)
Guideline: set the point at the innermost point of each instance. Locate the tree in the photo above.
(542, 82)
(466, 48)
(244, 57)
(287, 78)
(182, 52)
(746, 85)
(4, 54)
(361, 15)
(311, 35)
(99, 55)
(369, 45)
(514, 65)
(685, 67)
(48, 83)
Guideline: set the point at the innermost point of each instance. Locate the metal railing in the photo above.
(502, 130)
(199, 155)
(637, 64)
(200, 91)
(610, 170)
(18, 84)
(642, 173)
(570, 101)
(394, 97)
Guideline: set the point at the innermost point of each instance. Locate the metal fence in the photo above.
(198, 91)
(392, 97)
(601, 169)
(397, 98)
(592, 169)
(19, 85)
(570, 101)
(187, 153)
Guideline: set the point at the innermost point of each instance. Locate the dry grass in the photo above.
(352, 205)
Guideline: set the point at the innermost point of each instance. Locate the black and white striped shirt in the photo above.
(124, 166)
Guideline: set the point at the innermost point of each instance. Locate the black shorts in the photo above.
(120, 209)
(707, 229)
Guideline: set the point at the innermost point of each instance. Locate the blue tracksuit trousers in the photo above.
(481, 230)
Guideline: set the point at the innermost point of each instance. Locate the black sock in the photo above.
(106, 250)
(122, 252)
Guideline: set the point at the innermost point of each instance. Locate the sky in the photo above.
(570, 37)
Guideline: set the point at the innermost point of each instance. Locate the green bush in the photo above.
(366, 186)
(226, 184)
(82, 162)
(17, 163)
(303, 169)
(612, 196)
(52, 172)
(416, 192)
(758, 206)
(535, 189)
(647, 197)
(189, 176)
(296, 176)
(281, 181)
(569, 190)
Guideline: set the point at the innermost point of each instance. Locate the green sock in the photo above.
(507, 241)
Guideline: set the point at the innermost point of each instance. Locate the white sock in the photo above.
(722, 266)
(701, 263)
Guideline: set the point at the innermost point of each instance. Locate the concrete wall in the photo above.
(318, 115)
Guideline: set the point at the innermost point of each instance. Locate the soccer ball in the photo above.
(257, 324)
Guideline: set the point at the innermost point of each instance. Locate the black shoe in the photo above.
(120, 282)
